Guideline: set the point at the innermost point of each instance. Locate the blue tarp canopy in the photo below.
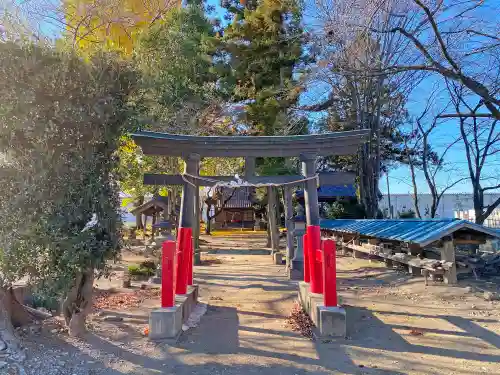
(329, 192)
(419, 231)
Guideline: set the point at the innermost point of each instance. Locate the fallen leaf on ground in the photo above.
(107, 300)
(299, 321)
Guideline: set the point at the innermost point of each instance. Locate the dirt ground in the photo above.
(396, 326)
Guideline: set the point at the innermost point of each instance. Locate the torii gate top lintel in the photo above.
(339, 143)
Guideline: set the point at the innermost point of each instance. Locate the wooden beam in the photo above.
(347, 148)
(459, 241)
(338, 143)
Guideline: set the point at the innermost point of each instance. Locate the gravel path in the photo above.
(396, 326)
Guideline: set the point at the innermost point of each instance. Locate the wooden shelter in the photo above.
(426, 246)
(158, 208)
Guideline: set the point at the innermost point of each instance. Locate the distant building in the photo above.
(451, 205)
(235, 207)
(492, 221)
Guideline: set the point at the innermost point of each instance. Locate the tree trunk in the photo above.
(208, 226)
(78, 303)
(8, 339)
(14, 314)
(138, 217)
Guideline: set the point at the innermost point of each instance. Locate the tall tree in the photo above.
(94, 25)
(356, 101)
(481, 140)
(420, 155)
(175, 60)
(459, 41)
(177, 85)
(61, 120)
(261, 50)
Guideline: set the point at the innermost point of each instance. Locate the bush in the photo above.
(345, 209)
(407, 214)
(139, 270)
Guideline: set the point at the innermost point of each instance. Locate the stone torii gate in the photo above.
(193, 148)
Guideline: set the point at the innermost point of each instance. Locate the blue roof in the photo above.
(331, 191)
(420, 231)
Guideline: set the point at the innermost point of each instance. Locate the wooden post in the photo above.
(375, 242)
(273, 225)
(249, 173)
(448, 255)
(166, 212)
(290, 227)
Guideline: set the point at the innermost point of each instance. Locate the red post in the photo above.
(168, 274)
(189, 241)
(318, 269)
(305, 246)
(330, 273)
(314, 242)
(183, 247)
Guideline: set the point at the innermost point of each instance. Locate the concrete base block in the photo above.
(188, 301)
(297, 270)
(277, 258)
(315, 300)
(165, 323)
(304, 295)
(332, 321)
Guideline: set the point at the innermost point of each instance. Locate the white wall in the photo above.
(446, 209)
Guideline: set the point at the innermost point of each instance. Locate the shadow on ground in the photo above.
(244, 331)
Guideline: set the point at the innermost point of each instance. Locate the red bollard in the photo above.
(168, 274)
(314, 242)
(182, 260)
(305, 247)
(318, 269)
(330, 273)
(190, 263)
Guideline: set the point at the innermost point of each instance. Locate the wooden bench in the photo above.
(416, 265)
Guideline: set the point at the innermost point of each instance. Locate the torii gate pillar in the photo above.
(185, 233)
(312, 219)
